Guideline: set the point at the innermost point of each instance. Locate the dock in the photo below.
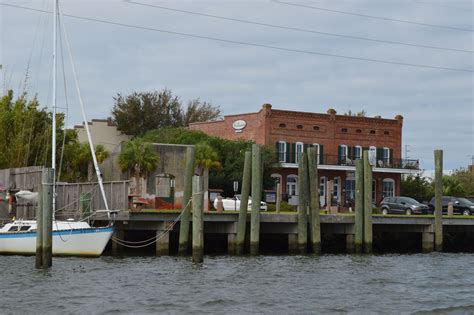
(279, 231)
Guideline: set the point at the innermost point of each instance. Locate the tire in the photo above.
(384, 211)
(408, 211)
(466, 212)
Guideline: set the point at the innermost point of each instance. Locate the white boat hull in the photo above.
(74, 242)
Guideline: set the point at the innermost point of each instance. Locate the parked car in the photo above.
(403, 205)
(234, 204)
(460, 205)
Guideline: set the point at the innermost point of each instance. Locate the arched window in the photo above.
(388, 187)
(292, 185)
(277, 178)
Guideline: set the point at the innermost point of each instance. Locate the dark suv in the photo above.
(460, 205)
(400, 205)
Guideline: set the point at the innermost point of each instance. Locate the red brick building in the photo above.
(339, 139)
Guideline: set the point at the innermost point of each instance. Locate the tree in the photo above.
(417, 187)
(200, 111)
(140, 158)
(25, 132)
(140, 112)
(206, 158)
(453, 187)
(465, 179)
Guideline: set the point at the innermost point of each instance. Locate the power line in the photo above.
(294, 28)
(230, 41)
(374, 16)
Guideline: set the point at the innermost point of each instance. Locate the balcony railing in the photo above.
(328, 159)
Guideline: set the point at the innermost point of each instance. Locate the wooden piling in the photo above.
(188, 182)
(244, 200)
(278, 198)
(47, 183)
(198, 223)
(427, 242)
(315, 220)
(303, 203)
(438, 225)
(163, 242)
(39, 230)
(368, 208)
(359, 206)
(256, 199)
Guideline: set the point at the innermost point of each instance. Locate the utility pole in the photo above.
(406, 151)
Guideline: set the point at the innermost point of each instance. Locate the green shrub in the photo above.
(284, 207)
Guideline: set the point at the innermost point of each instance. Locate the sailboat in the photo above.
(70, 237)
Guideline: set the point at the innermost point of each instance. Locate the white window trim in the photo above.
(284, 151)
(295, 182)
(388, 180)
(386, 159)
(276, 175)
(361, 152)
(296, 151)
(345, 151)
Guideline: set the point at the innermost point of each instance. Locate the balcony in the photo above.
(335, 162)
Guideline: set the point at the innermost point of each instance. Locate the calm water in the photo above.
(421, 283)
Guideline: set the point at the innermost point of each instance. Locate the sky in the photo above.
(297, 70)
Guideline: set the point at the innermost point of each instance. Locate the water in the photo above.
(419, 283)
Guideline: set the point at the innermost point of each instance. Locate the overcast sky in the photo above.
(437, 104)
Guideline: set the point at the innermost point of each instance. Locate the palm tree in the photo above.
(138, 157)
(206, 158)
(84, 158)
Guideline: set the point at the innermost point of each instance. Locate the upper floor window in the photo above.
(281, 151)
(299, 126)
(359, 130)
(357, 152)
(316, 128)
(282, 125)
(343, 154)
(344, 130)
(386, 156)
(372, 132)
(298, 150)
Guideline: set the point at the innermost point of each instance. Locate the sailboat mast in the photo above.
(53, 153)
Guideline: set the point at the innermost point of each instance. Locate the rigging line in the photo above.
(296, 28)
(374, 16)
(223, 40)
(66, 116)
(91, 145)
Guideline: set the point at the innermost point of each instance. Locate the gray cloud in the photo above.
(437, 105)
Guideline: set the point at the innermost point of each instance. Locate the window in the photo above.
(318, 158)
(342, 154)
(13, 228)
(281, 151)
(350, 189)
(299, 126)
(298, 150)
(282, 125)
(315, 127)
(388, 187)
(386, 156)
(344, 130)
(372, 132)
(335, 186)
(291, 188)
(359, 130)
(25, 227)
(322, 190)
(357, 152)
(386, 132)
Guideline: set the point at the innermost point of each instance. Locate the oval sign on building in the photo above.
(239, 125)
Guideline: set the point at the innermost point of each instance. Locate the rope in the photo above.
(152, 240)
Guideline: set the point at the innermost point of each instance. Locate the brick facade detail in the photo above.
(329, 130)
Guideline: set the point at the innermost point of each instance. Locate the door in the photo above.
(322, 191)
